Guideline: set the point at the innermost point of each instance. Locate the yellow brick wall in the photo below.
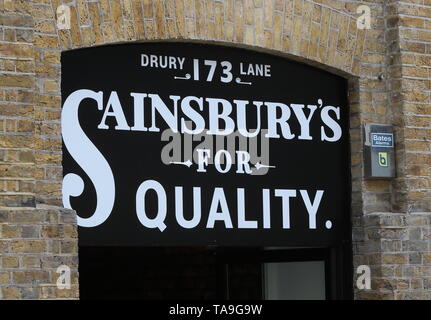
(388, 67)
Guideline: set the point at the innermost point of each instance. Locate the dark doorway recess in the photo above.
(207, 273)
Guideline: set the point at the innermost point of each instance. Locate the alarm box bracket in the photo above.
(379, 151)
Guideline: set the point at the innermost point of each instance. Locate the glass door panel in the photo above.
(302, 280)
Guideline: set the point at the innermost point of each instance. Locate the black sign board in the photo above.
(191, 144)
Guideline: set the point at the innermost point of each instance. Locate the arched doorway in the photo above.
(236, 158)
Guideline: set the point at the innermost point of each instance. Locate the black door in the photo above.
(205, 273)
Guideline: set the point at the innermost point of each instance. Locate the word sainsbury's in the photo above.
(224, 116)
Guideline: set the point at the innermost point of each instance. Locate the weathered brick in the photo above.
(11, 292)
(22, 277)
(4, 278)
(31, 261)
(16, 20)
(9, 262)
(14, 50)
(28, 246)
(396, 258)
(23, 81)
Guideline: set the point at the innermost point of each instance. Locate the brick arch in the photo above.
(321, 32)
(313, 33)
(328, 39)
(305, 31)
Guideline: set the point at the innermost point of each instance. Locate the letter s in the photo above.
(89, 159)
(331, 123)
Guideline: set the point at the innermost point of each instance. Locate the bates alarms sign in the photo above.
(188, 144)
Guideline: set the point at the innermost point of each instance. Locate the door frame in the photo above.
(338, 266)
